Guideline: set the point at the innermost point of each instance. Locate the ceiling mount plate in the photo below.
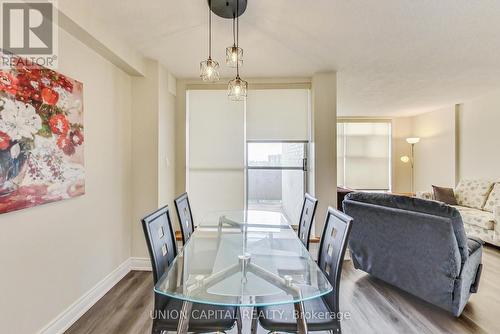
(227, 8)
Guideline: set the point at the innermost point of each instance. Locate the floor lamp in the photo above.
(412, 141)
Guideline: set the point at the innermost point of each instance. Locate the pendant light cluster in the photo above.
(209, 69)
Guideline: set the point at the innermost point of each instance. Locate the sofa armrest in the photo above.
(496, 214)
(425, 195)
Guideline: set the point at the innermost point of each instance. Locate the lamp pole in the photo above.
(412, 141)
(412, 164)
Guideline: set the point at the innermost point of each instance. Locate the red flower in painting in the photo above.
(4, 141)
(76, 137)
(63, 82)
(59, 124)
(49, 96)
(8, 82)
(65, 144)
(28, 89)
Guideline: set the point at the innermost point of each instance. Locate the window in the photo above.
(364, 155)
(276, 174)
(256, 149)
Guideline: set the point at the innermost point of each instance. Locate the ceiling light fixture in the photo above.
(237, 89)
(209, 69)
(234, 54)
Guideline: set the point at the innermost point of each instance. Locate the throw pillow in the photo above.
(445, 195)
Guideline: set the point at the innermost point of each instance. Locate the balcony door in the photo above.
(277, 176)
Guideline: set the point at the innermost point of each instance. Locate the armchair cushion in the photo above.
(493, 199)
(473, 193)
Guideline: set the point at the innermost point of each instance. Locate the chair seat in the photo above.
(204, 317)
(318, 315)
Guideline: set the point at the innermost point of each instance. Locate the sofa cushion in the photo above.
(473, 193)
(476, 217)
(493, 199)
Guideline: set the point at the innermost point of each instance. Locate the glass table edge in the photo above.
(193, 300)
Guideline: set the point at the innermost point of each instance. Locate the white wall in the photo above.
(153, 144)
(166, 139)
(52, 254)
(457, 143)
(324, 143)
(435, 153)
(479, 139)
(401, 172)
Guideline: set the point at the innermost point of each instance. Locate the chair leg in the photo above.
(155, 330)
(253, 329)
(239, 322)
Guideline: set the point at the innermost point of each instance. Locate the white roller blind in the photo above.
(215, 179)
(363, 155)
(278, 114)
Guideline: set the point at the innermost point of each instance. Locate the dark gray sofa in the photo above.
(416, 245)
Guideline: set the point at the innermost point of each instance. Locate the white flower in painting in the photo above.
(19, 120)
(63, 101)
(15, 151)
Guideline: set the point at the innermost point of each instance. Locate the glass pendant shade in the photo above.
(209, 70)
(237, 89)
(234, 56)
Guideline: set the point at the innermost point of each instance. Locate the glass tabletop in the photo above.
(244, 258)
(250, 218)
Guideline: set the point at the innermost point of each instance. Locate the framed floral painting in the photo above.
(41, 136)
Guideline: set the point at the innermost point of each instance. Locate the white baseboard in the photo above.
(140, 264)
(69, 316)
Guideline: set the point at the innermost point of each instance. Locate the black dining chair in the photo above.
(185, 216)
(162, 251)
(331, 254)
(306, 219)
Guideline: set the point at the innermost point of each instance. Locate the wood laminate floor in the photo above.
(375, 306)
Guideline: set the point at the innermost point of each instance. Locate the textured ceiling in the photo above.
(394, 57)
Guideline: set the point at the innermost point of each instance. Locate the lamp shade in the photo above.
(237, 89)
(412, 140)
(405, 159)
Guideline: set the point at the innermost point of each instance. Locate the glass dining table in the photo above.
(245, 259)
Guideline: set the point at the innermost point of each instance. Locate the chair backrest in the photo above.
(331, 251)
(160, 240)
(185, 216)
(306, 218)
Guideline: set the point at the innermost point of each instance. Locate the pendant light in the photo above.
(234, 54)
(209, 69)
(237, 88)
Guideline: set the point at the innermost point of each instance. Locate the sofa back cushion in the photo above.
(493, 199)
(473, 193)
